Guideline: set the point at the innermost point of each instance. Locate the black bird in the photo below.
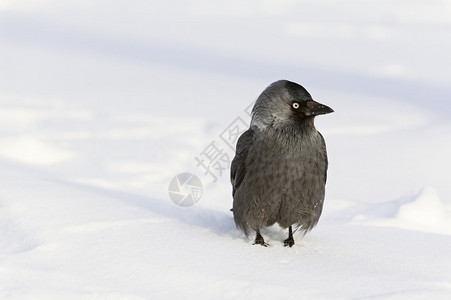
(280, 166)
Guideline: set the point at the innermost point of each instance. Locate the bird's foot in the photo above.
(263, 243)
(289, 242)
(259, 240)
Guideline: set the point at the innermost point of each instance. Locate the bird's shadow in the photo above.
(219, 222)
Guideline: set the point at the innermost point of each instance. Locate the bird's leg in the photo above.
(259, 239)
(290, 240)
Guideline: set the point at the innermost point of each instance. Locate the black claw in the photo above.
(290, 240)
(259, 240)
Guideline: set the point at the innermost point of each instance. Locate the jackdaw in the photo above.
(279, 170)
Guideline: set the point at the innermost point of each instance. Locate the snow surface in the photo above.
(102, 104)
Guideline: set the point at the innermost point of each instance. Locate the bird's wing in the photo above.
(238, 168)
(325, 155)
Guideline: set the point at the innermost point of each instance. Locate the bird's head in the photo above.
(285, 104)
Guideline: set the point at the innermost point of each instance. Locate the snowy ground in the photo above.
(102, 104)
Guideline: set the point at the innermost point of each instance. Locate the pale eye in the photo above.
(295, 105)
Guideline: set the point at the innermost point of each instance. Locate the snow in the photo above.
(102, 104)
(426, 209)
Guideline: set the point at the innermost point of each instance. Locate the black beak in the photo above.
(314, 108)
